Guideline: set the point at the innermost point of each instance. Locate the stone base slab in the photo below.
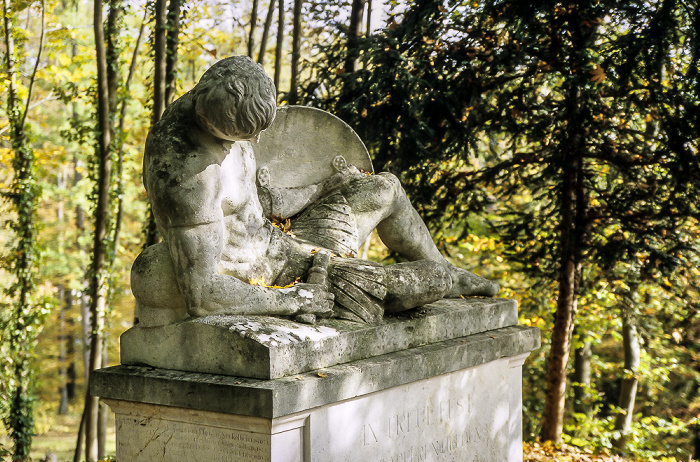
(288, 395)
(267, 348)
(465, 416)
(455, 400)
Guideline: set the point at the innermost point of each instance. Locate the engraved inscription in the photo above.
(162, 440)
(459, 417)
(438, 449)
(403, 423)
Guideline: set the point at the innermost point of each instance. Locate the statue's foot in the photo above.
(467, 283)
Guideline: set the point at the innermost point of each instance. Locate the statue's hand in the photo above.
(340, 178)
(313, 299)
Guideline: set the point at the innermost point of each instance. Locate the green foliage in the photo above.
(488, 107)
(651, 437)
(477, 107)
(20, 326)
(20, 421)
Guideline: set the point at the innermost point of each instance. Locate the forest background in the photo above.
(551, 146)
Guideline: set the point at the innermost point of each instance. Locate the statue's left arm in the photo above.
(287, 202)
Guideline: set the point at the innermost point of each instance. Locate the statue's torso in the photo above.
(194, 179)
(247, 232)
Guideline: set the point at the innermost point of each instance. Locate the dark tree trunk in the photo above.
(87, 322)
(171, 53)
(65, 298)
(280, 44)
(165, 44)
(70, 348)
(296, 53)
(266, 32)
(573, 203)
(107, 71)
(573, 212)
(159, 59)
(368, 27)
(564, 316)
(354, 32)
(253, 23)
(23, 194)
(102, 416)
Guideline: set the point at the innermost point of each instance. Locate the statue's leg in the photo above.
(158, 299)
(379, 201)
(414, 284)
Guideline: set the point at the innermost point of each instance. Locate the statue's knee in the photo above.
(153, 283)
(390, 181)
(388, 186)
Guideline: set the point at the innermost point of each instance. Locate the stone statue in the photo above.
(214, 208)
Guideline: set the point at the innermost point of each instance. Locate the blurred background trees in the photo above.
(552, 146)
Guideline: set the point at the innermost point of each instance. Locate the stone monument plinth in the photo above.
(442, 384)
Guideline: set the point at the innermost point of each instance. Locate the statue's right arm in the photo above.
(196, 251)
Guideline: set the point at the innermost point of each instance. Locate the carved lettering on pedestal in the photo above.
(450, 416)
(400, 424)
(442, 449)
(189, 442)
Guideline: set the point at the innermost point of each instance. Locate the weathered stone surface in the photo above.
(214, 194)
(287, 395)
(264, 347)
(293, 148)
(454, 400)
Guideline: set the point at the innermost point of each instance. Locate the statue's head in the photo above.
(235, 100)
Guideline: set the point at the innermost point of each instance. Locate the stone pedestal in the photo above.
(429, 388)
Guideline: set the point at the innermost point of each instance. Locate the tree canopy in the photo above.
(551, 145)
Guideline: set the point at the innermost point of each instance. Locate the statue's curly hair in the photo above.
(237, 97)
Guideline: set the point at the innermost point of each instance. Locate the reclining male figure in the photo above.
(200, 175)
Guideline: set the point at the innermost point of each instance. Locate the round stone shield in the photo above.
(299, 147)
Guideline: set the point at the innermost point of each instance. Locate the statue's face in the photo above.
(221, 134)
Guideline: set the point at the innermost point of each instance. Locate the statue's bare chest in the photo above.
(237, 176)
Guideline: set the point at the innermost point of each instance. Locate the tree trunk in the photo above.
(266, 32)
(573, 210)
(628, 390)
(23, 194)
(368, 27)
(172, 44)
(120, 147)
(159, 60)
(70, 347)
(253, 23)
(87, 322)
(296, 53)
(279, 45)
(354, 32)
(82, 299)
(582, 375)
(165, 45)
(161, 39)
(563, 325)
(65, 299)
(107, 67)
